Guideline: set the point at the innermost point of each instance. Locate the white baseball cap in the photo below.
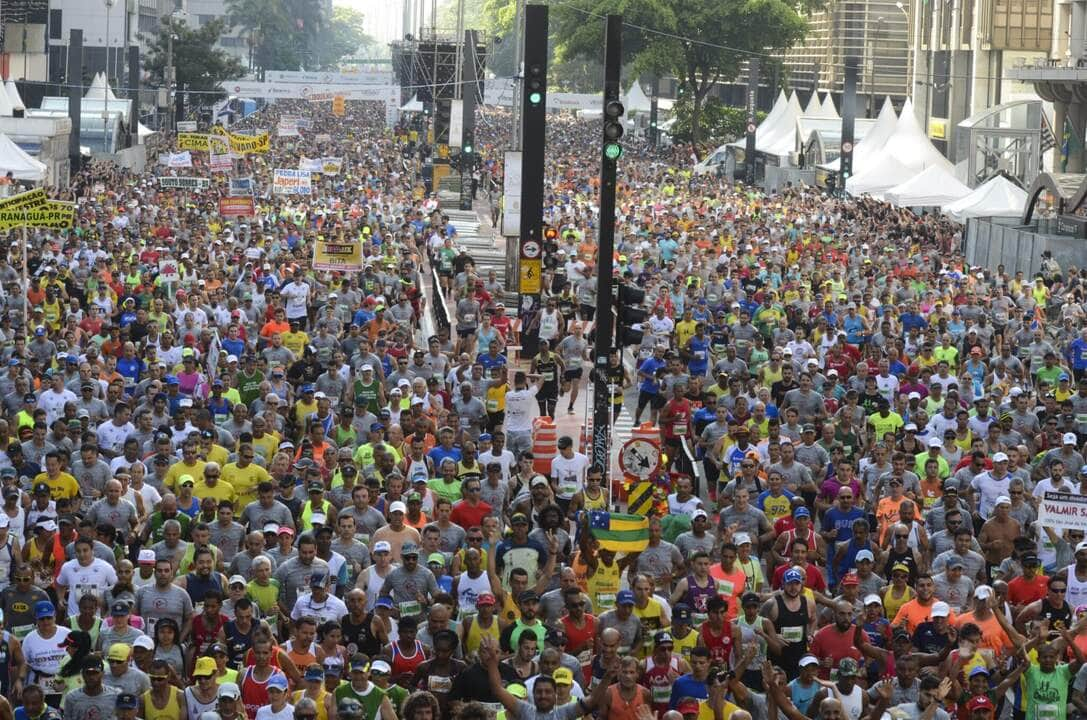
(983, 592)
(741, 539)
(1070, 439)
(934, 442)
(1000, 457)
(873, 599)
(398, 507)
(382, 546)
(1003, 500)
(940, 609)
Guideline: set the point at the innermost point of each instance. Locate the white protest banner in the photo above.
(305, 123)
(220, 163)
(187, 126)
(322, 138)
(185, 183)
(288, 127)
(331, 165)
(240, 187)
(180, 160)
(310, 164)
(1063, 511)
(286, 181)
(164, 159)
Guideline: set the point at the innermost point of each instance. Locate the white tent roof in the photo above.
(999, 197)
(815, 107)
(413, 105)
(15, 160)
(828, 110)
(935, 185)
(13, 95)
(883, 173)
(100, 89)
(6, 106)
(873, 141)
(636, 100)
(776, 135)
(910, 146)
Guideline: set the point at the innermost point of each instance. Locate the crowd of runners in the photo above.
(249, 488)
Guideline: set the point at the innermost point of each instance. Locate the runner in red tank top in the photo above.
(716, 634)
(580, 629)
(254, 683)
(404, 663)
(660, 671)
(206, 625)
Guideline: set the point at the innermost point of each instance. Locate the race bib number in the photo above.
(725, 587)
(605, 601)
(793, 633)
(469, 318)
(410, 608)
(679, 429)
(492, 406)
(548, 376)
(439, 684)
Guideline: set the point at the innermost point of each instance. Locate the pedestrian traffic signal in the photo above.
(631, 312)
(613, 129)
(536, 82)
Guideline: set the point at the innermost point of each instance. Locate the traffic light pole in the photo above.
(609, 157)
(533, 125)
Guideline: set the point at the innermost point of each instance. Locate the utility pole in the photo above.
(610, 153)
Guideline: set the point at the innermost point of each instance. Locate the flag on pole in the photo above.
(619, 533)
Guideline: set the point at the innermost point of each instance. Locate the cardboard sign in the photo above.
(1063, 511)
(286, 181)
(236, 206)
(240, 187)
(50, 214)
(185, 183)
(341, 256)
(180, 160)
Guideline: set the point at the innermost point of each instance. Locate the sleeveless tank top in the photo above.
(620, 709)
(322, 711)
(7, 557)
(5, 662)
(792, 625)
(254, 692)
(469, 589)
(748, 635)
(203, 634)
(360, 638)
(660, 686)
(603, 586)
(1077, 589)
(697, 596)
(852, 703)
(720, 646)
(373, 587)
(548, 371)
(237, 644)
(476, 633)
(407, 663)
(197, 708)
(549, 325)
(600, 502)
(172, 711)
(417, 470)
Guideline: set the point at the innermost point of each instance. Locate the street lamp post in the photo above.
(911, 37)
(105, 109)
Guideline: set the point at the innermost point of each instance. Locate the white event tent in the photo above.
(906, 148)
(933, 186)
(998, 197)
(14, 159)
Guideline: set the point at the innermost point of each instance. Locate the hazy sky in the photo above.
(383, 17)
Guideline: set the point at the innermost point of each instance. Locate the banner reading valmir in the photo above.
(236, 206)
(287, 181)
(185, 183)
(339, 255)
(1063, 511)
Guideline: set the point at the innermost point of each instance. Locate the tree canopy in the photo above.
(199, 64)
(699, 42)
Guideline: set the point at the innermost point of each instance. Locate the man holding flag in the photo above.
(600, 538)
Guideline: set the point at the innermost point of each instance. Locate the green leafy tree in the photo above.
(341, 37)
(200, 65)
(720, 123)
(283, 34)
(699, 42)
